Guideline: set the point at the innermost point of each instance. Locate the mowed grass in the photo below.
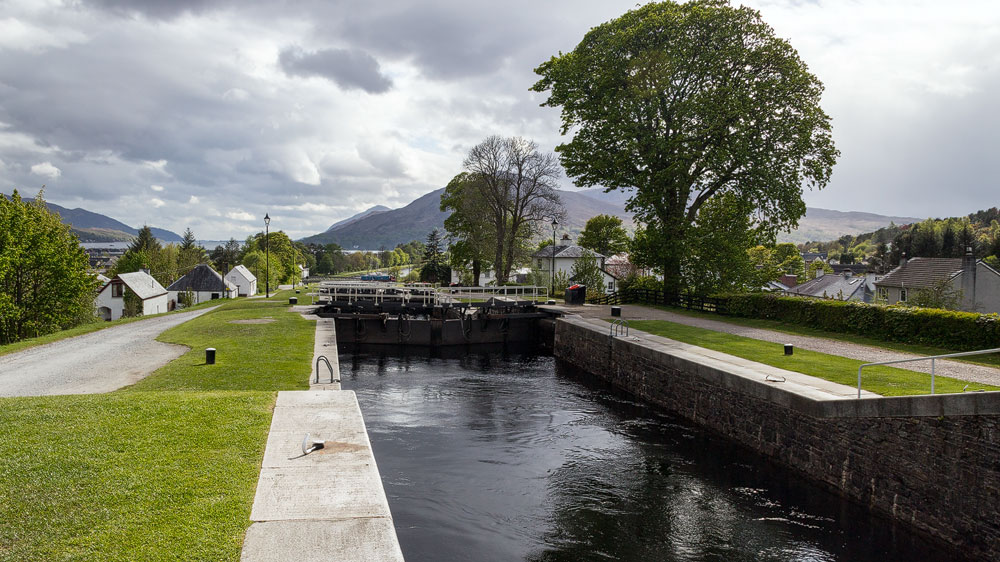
(163, 470)
(130, 476)
(887, 381)
(275, 355)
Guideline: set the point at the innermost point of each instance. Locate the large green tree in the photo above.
(473, 241)
(605, 235)
(44, 282)
(686, 103)
(281, 259)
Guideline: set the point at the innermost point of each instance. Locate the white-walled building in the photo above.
(204, 283)
(565, 256)
(110, 300)
(245, 282)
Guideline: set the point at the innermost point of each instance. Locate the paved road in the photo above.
(866, 353)
(101, 361)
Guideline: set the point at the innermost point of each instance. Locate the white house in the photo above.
(245, 282)
(565, 256)
(110, 301)
(204, 283)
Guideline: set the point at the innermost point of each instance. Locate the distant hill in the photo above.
(350, 220)
(414, 221)
(825, 224)
(95, 227)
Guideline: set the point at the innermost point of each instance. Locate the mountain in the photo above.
(615, 196)
(95, 227)
(359, 216)
(414, 221)
(825, 224)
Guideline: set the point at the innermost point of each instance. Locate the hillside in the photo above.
(95, 227)
(825, 224)
(350, 220)
(416, 220)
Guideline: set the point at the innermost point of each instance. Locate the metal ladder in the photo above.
(328, 366)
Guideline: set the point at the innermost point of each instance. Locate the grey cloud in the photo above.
(348, 68)
(156, 9)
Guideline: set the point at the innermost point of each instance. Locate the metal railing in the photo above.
(328, 366)
(619, 326)
(931, 358)
(425, 294)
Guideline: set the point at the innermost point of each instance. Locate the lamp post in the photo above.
(267, 257)
(552, 275)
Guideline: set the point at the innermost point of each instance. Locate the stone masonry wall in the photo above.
(939, 473)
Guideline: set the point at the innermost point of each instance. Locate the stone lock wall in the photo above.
(930, 461)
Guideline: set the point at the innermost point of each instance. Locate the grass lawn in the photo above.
(130, 476)
(165, 469)
(887, 381)
(992, 360)
(88, 328)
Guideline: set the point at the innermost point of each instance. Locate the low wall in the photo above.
(930, 461)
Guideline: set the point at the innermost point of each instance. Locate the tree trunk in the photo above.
(476, 270)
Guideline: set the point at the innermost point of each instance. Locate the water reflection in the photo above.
(503, 455)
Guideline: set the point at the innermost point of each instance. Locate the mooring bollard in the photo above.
(616, 311)
(293, 300)
(210, 356)
(788, 348)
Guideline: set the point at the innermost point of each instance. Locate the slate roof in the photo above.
(855, 268)
(568, 251)
(201, 278)
(922, 273)
(242, 270)
(142, 284)
(833, 287)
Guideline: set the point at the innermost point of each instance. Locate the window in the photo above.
(883, 294)
(116, 290)
(215, 296)
(902, 295)
(539, 264)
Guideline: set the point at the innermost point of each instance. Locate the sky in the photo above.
(207, 114)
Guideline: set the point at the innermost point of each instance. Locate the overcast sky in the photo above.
(209, 113)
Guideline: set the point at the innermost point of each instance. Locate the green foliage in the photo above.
(44, 282)
(435, 267)
(906, 324)
(641, 282)
(815, 266)
(587, 271)
(131, 303)
(283, 256)
(941, 295)
(605, 235)
(226, 257)
(469, 226)
(685, 103)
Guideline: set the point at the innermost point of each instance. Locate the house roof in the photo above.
(564, 251)
(142, 284)
(242, 270)
(201, 278)
(922, 273)
(832, 286)
(855, 268)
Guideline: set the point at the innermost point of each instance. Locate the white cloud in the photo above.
(156, 202)
(240, 216)
(155, 187)
(46, 169)
(193, 200)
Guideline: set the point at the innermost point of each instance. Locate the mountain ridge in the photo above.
(95, 227)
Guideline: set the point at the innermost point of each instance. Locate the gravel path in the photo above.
(101, 361)
(866, 353)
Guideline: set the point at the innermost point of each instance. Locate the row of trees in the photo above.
(44, 282)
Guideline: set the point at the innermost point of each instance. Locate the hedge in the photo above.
(964, 331)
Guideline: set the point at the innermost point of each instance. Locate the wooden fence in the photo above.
(659, 298)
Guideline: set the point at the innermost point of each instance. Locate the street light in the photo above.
(267, 257)
(552, 275)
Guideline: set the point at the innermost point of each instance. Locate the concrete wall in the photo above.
(930, 461)
(987, 289)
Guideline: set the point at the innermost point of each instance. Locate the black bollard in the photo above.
(788, 348)
(210, 356)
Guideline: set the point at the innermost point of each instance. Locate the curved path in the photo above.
(100, 361)
(866, 353)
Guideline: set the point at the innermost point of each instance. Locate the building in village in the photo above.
(204, 284)
(974, 281)
(244, 281)
(152, 298)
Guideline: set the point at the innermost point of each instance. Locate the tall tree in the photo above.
(474, 242)
(226, 256)
(190, 253)
(605, 235)
(44, 283)
(685, 103)
(435, 268)
(516, 184)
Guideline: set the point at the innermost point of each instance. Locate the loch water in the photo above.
(503, 455)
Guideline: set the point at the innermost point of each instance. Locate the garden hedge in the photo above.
(940, 328)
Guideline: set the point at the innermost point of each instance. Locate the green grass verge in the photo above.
(992, 360)
(130, 476)
(887, 381)
(163, 470)
(88, 328)
(271, 356)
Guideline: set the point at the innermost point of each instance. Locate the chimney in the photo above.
(848, 274)
(819, 272)
(145, 269)
(969, 280)
(902, 259)
(566, 237)
(789, 280)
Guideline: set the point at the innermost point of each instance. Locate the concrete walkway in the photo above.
(329, 504)
(866, 353)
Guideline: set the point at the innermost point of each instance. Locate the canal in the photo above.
(507, 455)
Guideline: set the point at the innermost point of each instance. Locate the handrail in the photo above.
(930, 357)
(328, 365)
(619, 326)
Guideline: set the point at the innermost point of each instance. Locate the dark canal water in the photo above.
(509, 456)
